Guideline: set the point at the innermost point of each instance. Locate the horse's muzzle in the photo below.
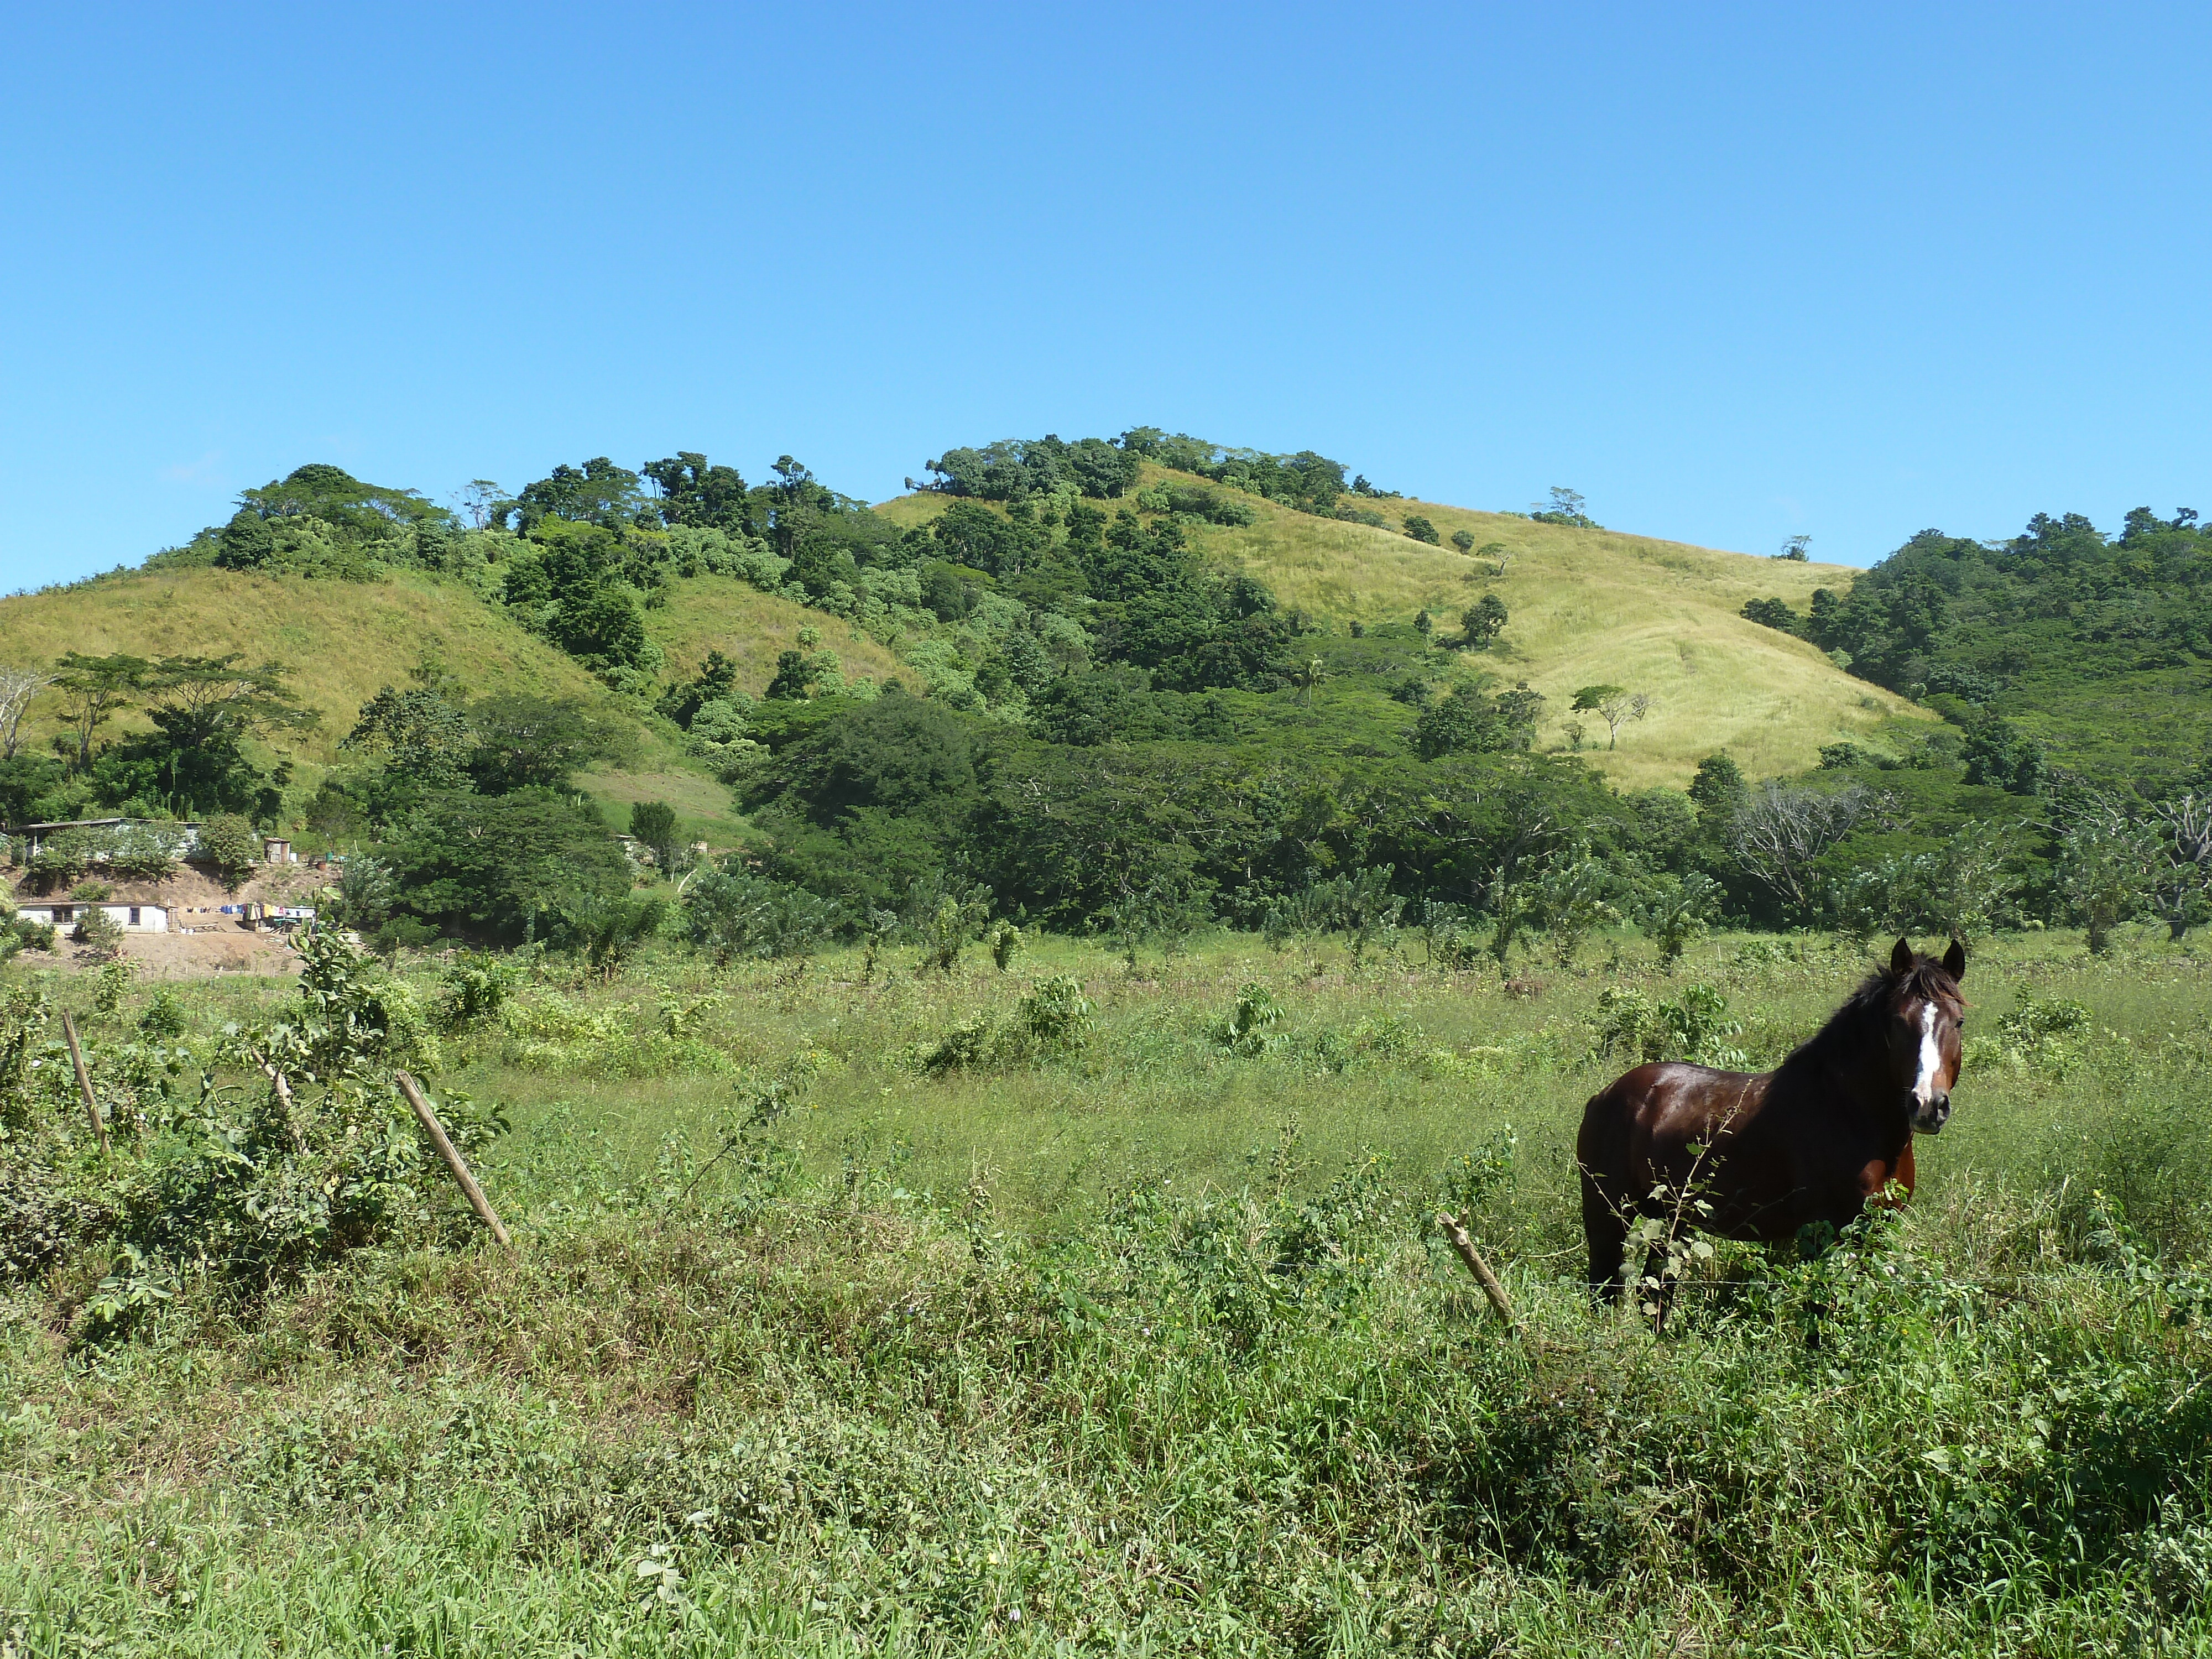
(1929, 1116)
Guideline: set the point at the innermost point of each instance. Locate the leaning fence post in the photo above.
(84, 1082)
(454, 1162)
(1480, 1269)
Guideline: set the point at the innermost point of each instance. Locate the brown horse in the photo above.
(1816, 1140)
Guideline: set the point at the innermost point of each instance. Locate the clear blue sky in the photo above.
(1733, 272)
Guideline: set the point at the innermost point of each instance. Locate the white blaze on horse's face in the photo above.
(1931, 1093)
(1931, 1057)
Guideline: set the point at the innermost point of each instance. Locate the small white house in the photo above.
(65, 914)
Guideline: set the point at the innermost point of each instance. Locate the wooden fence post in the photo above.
(1480, 1269)
(454, 1162)
(84, 1082)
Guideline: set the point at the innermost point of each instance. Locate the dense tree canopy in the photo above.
(2089, 644)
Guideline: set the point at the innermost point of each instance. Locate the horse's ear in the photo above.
(1954, 961)
(1900, 959)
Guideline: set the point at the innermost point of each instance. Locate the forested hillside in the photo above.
(2097, 649)
(1136, 685)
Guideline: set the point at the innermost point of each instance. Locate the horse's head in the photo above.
(1927, 1015)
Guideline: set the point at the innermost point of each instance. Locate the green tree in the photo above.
(501, 863)
(796, 674)
(1717, 789)
(1420, 528)
(366, 892)
(601, 625)
(1572, 896)
(202, 710)
(606, 928)
(417, 732)
(599, 492)
(1469, 722)
(652, 823)
(525, 742)
(733, 912)
(1775, 614)
(94, 689)
(1463, 540)
(694, 493)
(1675, 912)
(232, 846)
(2107, 865)
(1794, 550)
(1566, 507)
(1482, 623)
(1614, 705)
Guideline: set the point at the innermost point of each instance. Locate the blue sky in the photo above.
(1734, 272)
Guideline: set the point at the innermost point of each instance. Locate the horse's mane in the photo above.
(1880, 990)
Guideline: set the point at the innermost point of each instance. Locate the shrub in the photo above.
(31, 935)
(403, 934)
(736, 912)
(1052, 1019)
(249, 1185)
(144, 852)
(1421, 530)
(607, 930)
(1055, 1016)
(231, 846)
(92, 890)
(653, 822)
(476, 986)
(113, 983)
(1693, 1027)
(1249, 1031)
(99, 933)
(164, 1017)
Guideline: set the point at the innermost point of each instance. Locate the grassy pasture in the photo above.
(1149, 1346)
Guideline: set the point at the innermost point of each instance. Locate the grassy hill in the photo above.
(1587, 606)
(340, 642)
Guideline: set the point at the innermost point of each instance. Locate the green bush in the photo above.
(1249, 1031)
(1694, 1027)
(734, 912)
(99, 933)
(230, 845)
(250, 1184)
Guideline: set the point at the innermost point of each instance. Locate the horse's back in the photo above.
(1666, 1101)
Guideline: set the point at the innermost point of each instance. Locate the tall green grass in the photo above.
(1152, 1347)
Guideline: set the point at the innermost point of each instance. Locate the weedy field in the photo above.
(1058, 1308)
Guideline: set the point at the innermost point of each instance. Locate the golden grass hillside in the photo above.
(1588, 607)
(339, 642)
(721, 613)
